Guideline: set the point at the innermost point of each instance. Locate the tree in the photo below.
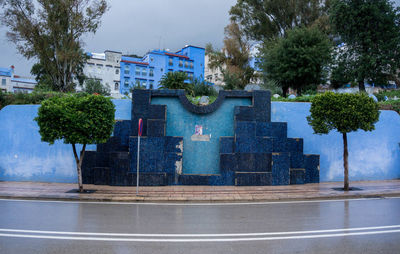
(175, 80)
(76, 119)
(297, 60)
(233, 60)
(344, 113)
(92, 86)
(51, 31)
(265, 19)
(370, 30)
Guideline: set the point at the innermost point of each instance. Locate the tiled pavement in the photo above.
(61, 191)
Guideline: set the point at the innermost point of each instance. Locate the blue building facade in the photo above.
(147, 71)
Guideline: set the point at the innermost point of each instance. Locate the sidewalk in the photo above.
(61, 191)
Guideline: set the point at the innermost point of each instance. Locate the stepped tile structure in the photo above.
(259, 153)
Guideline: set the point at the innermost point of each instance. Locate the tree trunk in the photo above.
(299, 91)
(361, 86)
(285, 91)
(78, 161)
(345, 162)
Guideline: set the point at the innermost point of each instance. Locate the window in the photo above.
(180, 63)
(144, 84)
(151, 72)
(137, 83)
(144, 71)
(170, 61)
(116, 71)
(109, 66)
(116, 86)
(126, 69)
(137, 71)
(186, 64)
(191, 65)
(126, 83)
(3, 81)
(151, 84)
(190, 75)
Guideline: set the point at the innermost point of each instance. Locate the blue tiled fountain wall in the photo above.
(372, 155)
(238, 144)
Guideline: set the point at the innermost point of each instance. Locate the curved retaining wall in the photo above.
(372, 155)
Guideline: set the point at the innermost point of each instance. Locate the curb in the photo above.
(232, 199)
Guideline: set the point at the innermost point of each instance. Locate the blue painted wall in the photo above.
(23, 157)
(372, 155)
(200, 157)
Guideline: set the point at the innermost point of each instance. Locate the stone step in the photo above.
(201, 179)
(253, 178)
(297, 175)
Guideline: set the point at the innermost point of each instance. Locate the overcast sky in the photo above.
(137, 26)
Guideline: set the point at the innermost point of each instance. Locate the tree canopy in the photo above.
(51, 31)
(234, 58)
(344, 113)
(93, 86)
(175, 80)
(370, 30)
(297, 60)
(76, 119)
(265, 19)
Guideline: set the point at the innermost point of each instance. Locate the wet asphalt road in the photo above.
(354, 226)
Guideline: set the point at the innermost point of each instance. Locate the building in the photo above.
(104, 67)
(214, 76)
(15, 84)
(148, 70)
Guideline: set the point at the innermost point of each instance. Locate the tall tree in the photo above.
(344, 113)
(234, 58)
(265, 19)
(297, 60)
(51, 32)
(370, 30)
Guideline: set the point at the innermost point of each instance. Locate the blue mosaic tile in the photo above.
(297, 176)
(280, 169)
(226, 144)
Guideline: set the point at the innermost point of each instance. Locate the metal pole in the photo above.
(137, 166)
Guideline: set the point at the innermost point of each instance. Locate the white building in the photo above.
(15, 84)
(105, 67)
(212, 75)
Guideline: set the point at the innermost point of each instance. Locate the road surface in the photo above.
(330, 226)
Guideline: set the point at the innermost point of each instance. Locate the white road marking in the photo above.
(199, 235)
(201, 239)
(197, 204)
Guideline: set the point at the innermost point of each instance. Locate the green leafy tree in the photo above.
(234, 58)
(370, 30)
(297, 60)
(176, 80)
(344, 113)
(93, 86)
(51, 31)
(265, 19)
(76, 119)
